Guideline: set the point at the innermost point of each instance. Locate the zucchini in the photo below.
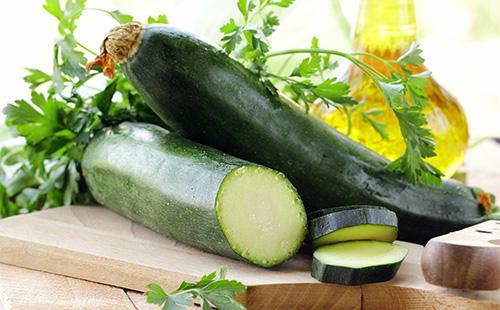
(196, 194)
(204, 95)
(352, 223)
(357, 262)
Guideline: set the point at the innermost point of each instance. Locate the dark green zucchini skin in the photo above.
(126, 167)
(328, 220)
(319, 213)
(349, 276)
(203, 94)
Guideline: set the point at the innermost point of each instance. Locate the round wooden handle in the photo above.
(467, 259)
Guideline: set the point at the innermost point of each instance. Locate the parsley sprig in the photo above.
(311, 81)
(249, 38)
(211, 290)
(67, 107)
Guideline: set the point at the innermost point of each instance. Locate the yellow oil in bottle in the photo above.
(387, 28)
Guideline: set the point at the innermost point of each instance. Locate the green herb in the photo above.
(367, 116)
(65, 111)
(252, 37)
(116, 14)
(161, 19)
(311, 82)
(211, 290)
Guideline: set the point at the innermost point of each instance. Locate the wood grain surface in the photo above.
(23, 289)
(139, 301)
(98, 245)
(377, 296)
(466, 259)
(26, 289)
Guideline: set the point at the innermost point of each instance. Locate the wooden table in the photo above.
(22, 288)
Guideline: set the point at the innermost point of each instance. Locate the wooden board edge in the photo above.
(139, 300)
(382, 296)
(84, 266)
(315, 296)
(25, 289)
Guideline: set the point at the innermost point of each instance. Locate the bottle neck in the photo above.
(385, 28)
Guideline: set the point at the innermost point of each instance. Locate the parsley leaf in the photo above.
(335, 91)
(117, 15)
(281, 3)
(232, 36)
(270, 22)
(67, 18)
(412, 121)
(411, 57)
(155, 294)
(67, 59)
(36, 78)
(54, 8)
(57, 125)
(308, 67)
(72, 61)
(104, 99)
(247, 41)
(416, 85)
(379, 126)
(36, 124)
(245, 7)
(120, 17)
(161, 19)
(212, 290)
(418, 139)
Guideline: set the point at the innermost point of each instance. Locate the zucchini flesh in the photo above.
(359, 232)
(196, 194)
(260, 214)
(203, 94)
(352, 223)
(357, 262)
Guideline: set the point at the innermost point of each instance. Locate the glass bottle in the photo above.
(387, 28)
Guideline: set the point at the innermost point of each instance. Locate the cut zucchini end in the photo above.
(359, 232)
(261, 215)
(357, 262)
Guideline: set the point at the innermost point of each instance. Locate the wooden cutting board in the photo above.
(25, 289)
(96, 244)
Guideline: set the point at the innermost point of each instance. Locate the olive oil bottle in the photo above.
(387, 28)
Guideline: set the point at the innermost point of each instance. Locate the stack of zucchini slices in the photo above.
(353, 245)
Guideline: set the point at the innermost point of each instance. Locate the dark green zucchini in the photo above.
(352, 223)
(203, 94)
(357, 262)
(196, 194)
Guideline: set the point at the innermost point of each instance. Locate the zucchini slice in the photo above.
(352, 223)
(357, 262)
